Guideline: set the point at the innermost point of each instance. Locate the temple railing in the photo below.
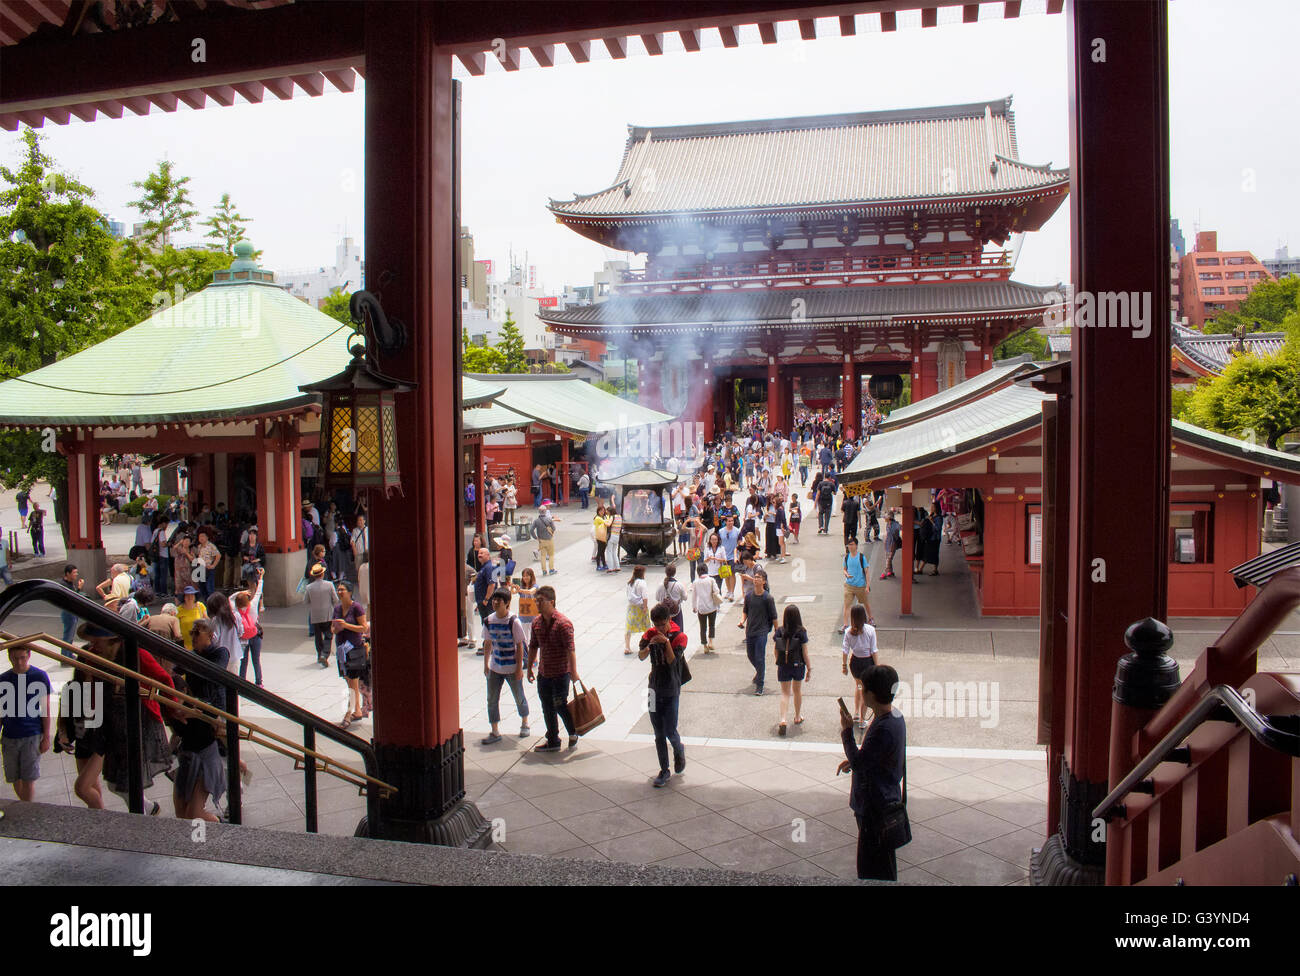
(1208, 789)
(125, 673)
(927, 264)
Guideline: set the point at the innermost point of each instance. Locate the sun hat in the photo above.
(318, 569)
(188, 590)
(89, 631)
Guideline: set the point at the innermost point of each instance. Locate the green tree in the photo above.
(511, 346)
(1255, 396)
(1026, 341)
(1265, 309)
(63, 288)
(483, 359)
(228, 225)
(165, 204)
(338, 305)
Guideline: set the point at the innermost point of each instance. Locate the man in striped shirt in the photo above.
(552, 639)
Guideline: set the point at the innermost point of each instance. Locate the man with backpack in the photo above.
(825, 499)
(856, 585)
(672, 594)
(504, 664)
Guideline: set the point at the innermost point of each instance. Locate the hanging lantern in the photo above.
(358, 433)
(885, 386)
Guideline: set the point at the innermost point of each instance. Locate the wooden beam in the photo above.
(281, 88)
(1055, 6)
(287, 39)
(728, 36)
(970, 13)
(654, 44)
(221, 94)
(9, 122)
(164, 100)
(343, 79)
(617, 47)
(475, 62)
(929, 17)
(252, 91)
(110, 107)
(313, 84)
(580, 51)
(848, 25)
(1012, 9)
(767, 33)
(543, 54)
(808, 30)
(507, 55)
(137, 104)
(690, 39)
(194, 98)
(86, 113)
(888, 21)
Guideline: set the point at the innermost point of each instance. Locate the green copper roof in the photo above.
(491, 420)
(474, 393)
(972, 388)
(568, 403)
(240, 348)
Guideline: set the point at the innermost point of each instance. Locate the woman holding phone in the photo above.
(859, 657)
(792, 665)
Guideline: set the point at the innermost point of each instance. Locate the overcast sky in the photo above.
(296, 167)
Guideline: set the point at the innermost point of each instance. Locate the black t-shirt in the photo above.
(760, 614)
(665, 679)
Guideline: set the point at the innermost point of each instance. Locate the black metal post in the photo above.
(134, 738)
(234, 785)
(309, 777)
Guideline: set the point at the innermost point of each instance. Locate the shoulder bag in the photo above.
(894, 830)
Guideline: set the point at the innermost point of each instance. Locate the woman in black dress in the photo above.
(934, 536)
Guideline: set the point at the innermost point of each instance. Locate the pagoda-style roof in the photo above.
(239, 348)
(1214, 352)
(950, 439)
(1002, 373)
(563, 402)
(948, 154)
(821, 305)
(1198, 353)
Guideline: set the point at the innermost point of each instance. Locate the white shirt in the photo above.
(636, 592)
(860, 645)
(705, 595)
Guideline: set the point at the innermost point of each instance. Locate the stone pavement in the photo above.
(748, 799)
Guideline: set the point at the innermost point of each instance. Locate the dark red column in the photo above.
(410, 238)
(773, 393)
(1117, 564)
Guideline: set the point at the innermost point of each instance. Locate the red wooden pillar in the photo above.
(649, 383)
(480, 495)
(909, 547)
(411, 230)
(564, 470)
(918, 391)
(850, 398)
(1117, 562)
(708, 404)
(773, 393)
(85, 543)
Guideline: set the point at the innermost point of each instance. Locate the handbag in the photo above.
(356, 658)
(893, 829)
(584, 709)
(724, 571)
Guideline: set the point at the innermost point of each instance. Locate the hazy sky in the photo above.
(296, 167)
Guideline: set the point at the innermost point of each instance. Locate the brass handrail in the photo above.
(150, 689)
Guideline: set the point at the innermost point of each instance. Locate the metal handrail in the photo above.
(179, 702)
(134, 636)
(1259, 727)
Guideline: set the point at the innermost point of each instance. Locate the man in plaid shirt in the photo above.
(553, 638)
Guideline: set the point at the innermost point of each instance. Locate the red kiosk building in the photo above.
(808, 253)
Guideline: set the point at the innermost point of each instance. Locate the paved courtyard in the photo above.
(748, 799)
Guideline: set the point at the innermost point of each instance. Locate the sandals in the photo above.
(780, 729)
(798, 721)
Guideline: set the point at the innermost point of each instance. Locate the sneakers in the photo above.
(662, 778)
(758, 689)
(524, 731)
(491, 740)
(547, 747)
(679, 762)
(573, 742)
